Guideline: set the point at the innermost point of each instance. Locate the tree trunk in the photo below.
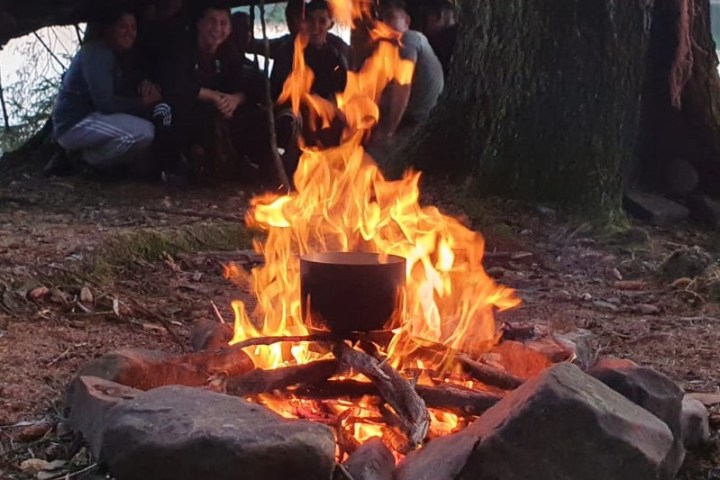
(681, 123)
(543, 98)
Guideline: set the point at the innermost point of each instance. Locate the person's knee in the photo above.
(145, 135)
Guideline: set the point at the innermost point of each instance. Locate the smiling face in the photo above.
(318, 24)
(213, 29)
(122, 33)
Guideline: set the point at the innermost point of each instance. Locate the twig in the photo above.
(257, 341)
(164, 321)
(217, 313)
(67, 476)
(6, 116)
(65, 354)
(269, 108)
(49, 50)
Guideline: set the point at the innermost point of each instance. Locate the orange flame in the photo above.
(343, 202)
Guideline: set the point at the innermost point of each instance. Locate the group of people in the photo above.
(164, 97)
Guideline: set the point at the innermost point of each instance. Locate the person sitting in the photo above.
(102, 101)
(210, 105)
(405, 107)
(440, 27)
(326, 54)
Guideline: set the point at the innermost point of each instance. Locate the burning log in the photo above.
(459, 401)
(264, 381)
(395, 390)
(487, 374)
(482, 372)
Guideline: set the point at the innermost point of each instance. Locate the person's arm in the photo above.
(398, 99)
(399, 95)
(98, 62)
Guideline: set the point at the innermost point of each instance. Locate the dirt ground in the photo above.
(142, 254)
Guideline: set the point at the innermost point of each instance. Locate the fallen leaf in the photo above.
(33, 432)
(682, 283)
(116, 306)
(38, 293)
(33, 465)
(86, 296)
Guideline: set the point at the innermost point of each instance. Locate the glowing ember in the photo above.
(343, 203)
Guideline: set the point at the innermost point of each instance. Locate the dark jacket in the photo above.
(96, 81)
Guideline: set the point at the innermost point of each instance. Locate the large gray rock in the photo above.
(655, 209)
(561, 425)
(695, 423)
(180, 433)
(89, 400)
(651, 390)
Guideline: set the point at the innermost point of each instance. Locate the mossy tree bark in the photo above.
(543, 100)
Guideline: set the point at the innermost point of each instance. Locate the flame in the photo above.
(342, 202)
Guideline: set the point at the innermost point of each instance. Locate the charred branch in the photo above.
(394, 389)
(265, 381)
(460, 401)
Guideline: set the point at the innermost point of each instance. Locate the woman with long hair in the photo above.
(100, 108)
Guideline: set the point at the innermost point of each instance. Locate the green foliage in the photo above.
(151, 245)
(45, 56)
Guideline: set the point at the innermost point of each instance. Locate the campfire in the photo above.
(373, 312)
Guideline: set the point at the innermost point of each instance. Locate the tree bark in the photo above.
(543, 99)
(682, 124)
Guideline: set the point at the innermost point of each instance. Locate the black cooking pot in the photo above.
(351, 291)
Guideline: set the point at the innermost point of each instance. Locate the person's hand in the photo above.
(227, 104)
(149, 93)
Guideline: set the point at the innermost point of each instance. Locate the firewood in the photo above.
(210, 335)
(227, 361)
(265, 381)
(487, 374)
(482, 372)
(458, 400)
(394, 389)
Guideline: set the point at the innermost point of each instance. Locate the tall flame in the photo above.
(343, 202)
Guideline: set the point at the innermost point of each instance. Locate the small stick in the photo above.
(269, 107)
(217, 313)
(265, 341)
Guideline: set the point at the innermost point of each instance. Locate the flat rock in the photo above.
(651, 390)
(371, 461)
(560, 425)
(180, 433)
(688, 262)
(89, 400)
(695, 422)
(576, 344)
(654, 208)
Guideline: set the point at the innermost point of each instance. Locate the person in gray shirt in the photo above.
(407, 106)
(99, 109)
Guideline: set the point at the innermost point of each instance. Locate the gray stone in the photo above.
(695, 423)
(651, 390)
(655, 209)
(560, 425)
(179, 433)
(371, 461)
(688, 262)
(89, 400)
(576, 344)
